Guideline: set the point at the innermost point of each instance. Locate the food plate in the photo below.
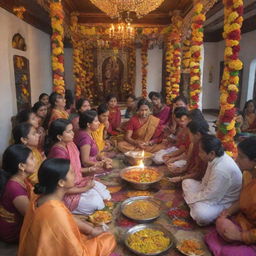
(100, 217)
(160, 239)
(141, 208)
(191, 247)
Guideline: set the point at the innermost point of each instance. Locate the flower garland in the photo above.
(233, 11)
(196, 45)
(168, 68)
(132, 69)
(57, 18)
(144, 63)
(176, 56)
(186, 55)
(88, 64)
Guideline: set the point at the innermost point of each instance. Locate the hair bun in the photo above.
(39, 189)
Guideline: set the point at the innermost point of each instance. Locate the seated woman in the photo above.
(18, 164)
(220, 186)
(89, 152)
(195, 167)
(81, 106)
(58, 103)
(40, 109)
(175, 155)
(87, 195)
(143, 131)
(44, 98)
(249, 116)
(235, 228)
(26, 134)
(29, 116)
(50, 229)
(131, 103)
(160, 110)
(100, 134)
(114, 117)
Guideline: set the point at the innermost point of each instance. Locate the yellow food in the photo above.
(191, 247)
(141, 209)
(139, 193)
(100, 217)
(148, 241)
(141, 175)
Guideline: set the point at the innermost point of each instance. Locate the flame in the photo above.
(141, 165)
(142, 154)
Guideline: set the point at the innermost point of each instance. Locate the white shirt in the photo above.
(221, 183)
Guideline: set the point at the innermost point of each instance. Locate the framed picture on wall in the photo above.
(22, 82)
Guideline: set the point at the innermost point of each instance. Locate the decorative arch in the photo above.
(18, 42)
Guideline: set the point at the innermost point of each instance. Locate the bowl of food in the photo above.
(141, 208)
(191, 247)
(148, 239)
(141, 177)
(137, 157)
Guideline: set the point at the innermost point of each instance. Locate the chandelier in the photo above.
(115, 8)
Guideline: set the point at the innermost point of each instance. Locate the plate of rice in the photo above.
(191, 247)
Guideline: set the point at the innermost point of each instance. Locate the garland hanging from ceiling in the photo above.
(57, 18)
(186, 56)
(168, 58)
(129, 87)
(233, 11)
(196, 47)
(144, 71)
(176, 56)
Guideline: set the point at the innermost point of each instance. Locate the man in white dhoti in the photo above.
(220, 186)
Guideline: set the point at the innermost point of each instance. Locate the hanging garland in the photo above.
(168, 68)
(132, 71)
(88, 64)
(233, 11)
(186, 55)
(144, 71)
(176, 56)
(196, 46)
(57, 18)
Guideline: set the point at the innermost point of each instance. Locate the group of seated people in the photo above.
(49, 173)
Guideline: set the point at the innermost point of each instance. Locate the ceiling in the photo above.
(90, 14)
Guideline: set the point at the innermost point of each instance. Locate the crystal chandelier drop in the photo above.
(115, 8)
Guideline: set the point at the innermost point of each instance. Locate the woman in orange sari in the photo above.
(58, 103)
(143, 131)
(237, 236)
(50, 229)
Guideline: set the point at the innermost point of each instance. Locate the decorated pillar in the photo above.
(57, 38)
(233, 11)
(195, 50)
(144, 64)
(176, 55)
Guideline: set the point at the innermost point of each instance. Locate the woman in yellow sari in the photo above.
(50, 229)
(143, 131)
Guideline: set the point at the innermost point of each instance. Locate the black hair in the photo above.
(197, 115)
(42, 95)
(37, 106)
(12, 157)
(246, 106)
(143, 102)
(56, 128)
(21, 131)
(248, 147)
(200, 126)
(109, 97)
(155, 94)
(180, 98)
(102, 108)
(53, 98)
(211, 143)
(86, 118)
(24, 115)
(69, 98)
(80, 102)
(132, 96)
(180, 111)
(50, 172)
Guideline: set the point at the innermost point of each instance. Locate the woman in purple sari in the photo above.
(160, 110)
(18, 164)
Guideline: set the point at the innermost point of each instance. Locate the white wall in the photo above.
(154, 68)
(214, 54)
(38, 53)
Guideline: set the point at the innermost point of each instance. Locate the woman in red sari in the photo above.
(143, 131)
(114, 117)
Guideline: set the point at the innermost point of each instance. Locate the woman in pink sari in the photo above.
(87, 195)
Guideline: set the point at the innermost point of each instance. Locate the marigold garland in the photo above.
(144, 64)
(233, 11)
(89, 80)
(196, 46)
(132, 70)
(176, 56)
(168, 68)
(186, 55)
(57, 18)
